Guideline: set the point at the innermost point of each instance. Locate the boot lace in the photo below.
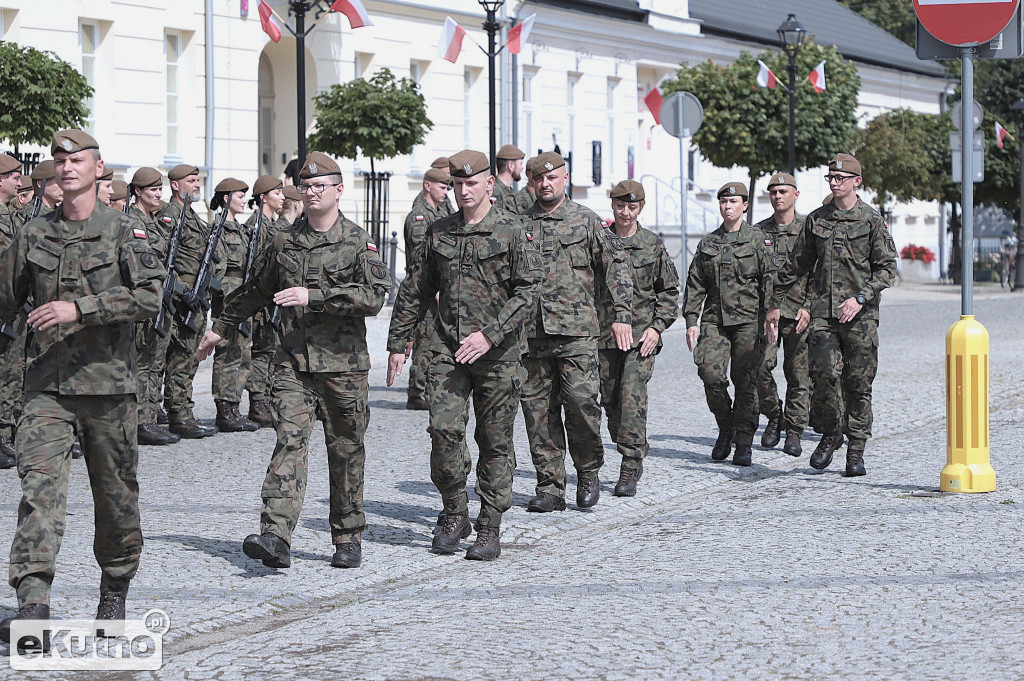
(110, 606)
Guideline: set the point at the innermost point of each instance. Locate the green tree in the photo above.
(382, 118)
(748, 126)
(39, 94)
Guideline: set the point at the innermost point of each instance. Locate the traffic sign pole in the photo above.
(967, 184)
(682, 196)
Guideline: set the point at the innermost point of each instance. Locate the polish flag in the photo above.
(654, 100)
(765, 77)
(268, 22)
(1001, 134)
(354, 10)
(519, 34)
(451, 40)
(817, 77)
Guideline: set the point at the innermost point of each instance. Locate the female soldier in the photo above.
(727, 288)
(293, 206)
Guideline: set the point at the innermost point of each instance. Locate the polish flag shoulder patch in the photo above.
(166, 220)
(419, 218)
(371, 246)
(139, 233)
(767, 242)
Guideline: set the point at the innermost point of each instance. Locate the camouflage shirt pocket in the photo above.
(643, 270)
(289, 270)
(745, 259)
(100, 271)
(575, 246)
(493, 262)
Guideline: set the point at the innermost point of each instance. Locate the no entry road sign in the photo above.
(965, 22)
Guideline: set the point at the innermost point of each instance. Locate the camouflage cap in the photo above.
(8, 164)
(440, 162)
(230, 184)
(181, 171)
(468, 163)
(733, 189)
(291, 192)
(118, 190)
(70, 141)
(546, 162)
(510, 152)
(44, 171)
(780, 179)
(266, 183)
(845, 163)
(628, 190)
(147, 177)
(107, 176)
(438, 175)
(318, 164)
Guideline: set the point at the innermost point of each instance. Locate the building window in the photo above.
(363, 62)
(610, 111)
(468, 81)
(89, 36)
(172, 45)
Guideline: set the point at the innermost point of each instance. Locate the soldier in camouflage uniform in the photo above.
(25, 194)
(849, 255)
(105, 186)
(508, 164)
(782, 230)
(624, 375)
(523, 199)
(92, 275)
(12, 342)
(48, 193)
(726, 289)
(484, 268)
(292, 208)
(429, 206)
(181, 363)
(118, 195)
(325, 274)
(577, 254)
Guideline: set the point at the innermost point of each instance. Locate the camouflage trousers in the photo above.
(106, 426)
(339, 399)
(738, 350)
(261, 362)
(562, 374)
(12, 375)
(151, 359)
(624, 377)
(422, 351)
(230, 360)
(844, 361)
(796, 368)
(494, 388)
(182, 364)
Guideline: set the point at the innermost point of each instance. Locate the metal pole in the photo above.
(792, 112)
(682, 190)
(299, 7)
(967, 187)
(1018, 280)
(491, 26)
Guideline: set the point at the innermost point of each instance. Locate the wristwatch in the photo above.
(860, 299)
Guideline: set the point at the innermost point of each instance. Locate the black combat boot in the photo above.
(416, 403)
(743, 455)
(76, 449)
(772, 434)
(154, 435)
(161, 417)
(855, 463)
(230, 421)
(720, 452)
(486, 546)
(269, 548)
(588, 491)
(792, 446)
(455, 529)
(31, 611)
(8, 457)
(348, 554)
(192, 429)
(545, 503)
(628, 477)
(110, 614)
(822, 456)
(259, 412)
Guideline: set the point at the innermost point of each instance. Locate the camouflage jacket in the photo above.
(233, 248)
(501, 193)
(155, 235)
(420, 217)
(577, 253)
(194, 236)
(655, 288)
(486, 274)
(268, 229)
(346, 280)
(522, 202)
(10, 222)
(106, 267)
(844, 253)
(729, 279)
(779, 242)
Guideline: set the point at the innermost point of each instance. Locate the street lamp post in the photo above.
(492, 26)
(1018, 282)
(792, 35)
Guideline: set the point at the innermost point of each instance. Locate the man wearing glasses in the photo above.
(850, 256)
(327, 277)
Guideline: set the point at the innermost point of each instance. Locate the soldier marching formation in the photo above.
(511, 300)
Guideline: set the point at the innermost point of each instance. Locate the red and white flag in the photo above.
(519, 34)
(354, 10)
(450, 44)
(1001, 134)
(268, 22)
(817, 77)
(654, 100)
(765, 77)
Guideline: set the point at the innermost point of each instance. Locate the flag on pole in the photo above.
(268, 22)
(354, 10)
(765, 77)
(654, 100)
(519, 34)
(1001, 134)
(451, 40)
(817, 77)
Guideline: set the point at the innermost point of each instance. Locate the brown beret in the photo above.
(181, 171)
(44, 171)
(468, 163)
(266, 183)
(438, 175)
(230, 184)
(24, 184)
(628, 190)
(318, 164)
(510, 153)
(845, 163)
(733, 189)
(440, 162)
(107, 176)
(780, 179)
(71, 141)
(118, 190)
(547, 162)
(292, 192)
(529, 163)
(147, 177)
(8, 164)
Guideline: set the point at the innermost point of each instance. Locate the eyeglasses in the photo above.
(317, 189)
(838, 179)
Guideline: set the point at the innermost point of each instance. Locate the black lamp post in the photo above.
(792, 35)
(492, 26)
(1018, 282)
(300, 8)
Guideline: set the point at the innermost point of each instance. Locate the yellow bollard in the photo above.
(967, 466)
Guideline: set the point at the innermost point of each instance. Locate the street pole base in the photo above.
(968, 479)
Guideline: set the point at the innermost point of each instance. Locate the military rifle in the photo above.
(245, 328)
(172, 286)
(198, 299)
(37, 203)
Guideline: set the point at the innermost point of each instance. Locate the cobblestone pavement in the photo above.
(712, 572)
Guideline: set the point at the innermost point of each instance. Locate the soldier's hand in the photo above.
(803, 320)
(296, 296)
(396, 360)
(473, 347)
(771, 324)
(408, 349)
(648, 342)
(53, 313)
(623, 335)
(848, 310)
(691, 337)
(207, 344)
